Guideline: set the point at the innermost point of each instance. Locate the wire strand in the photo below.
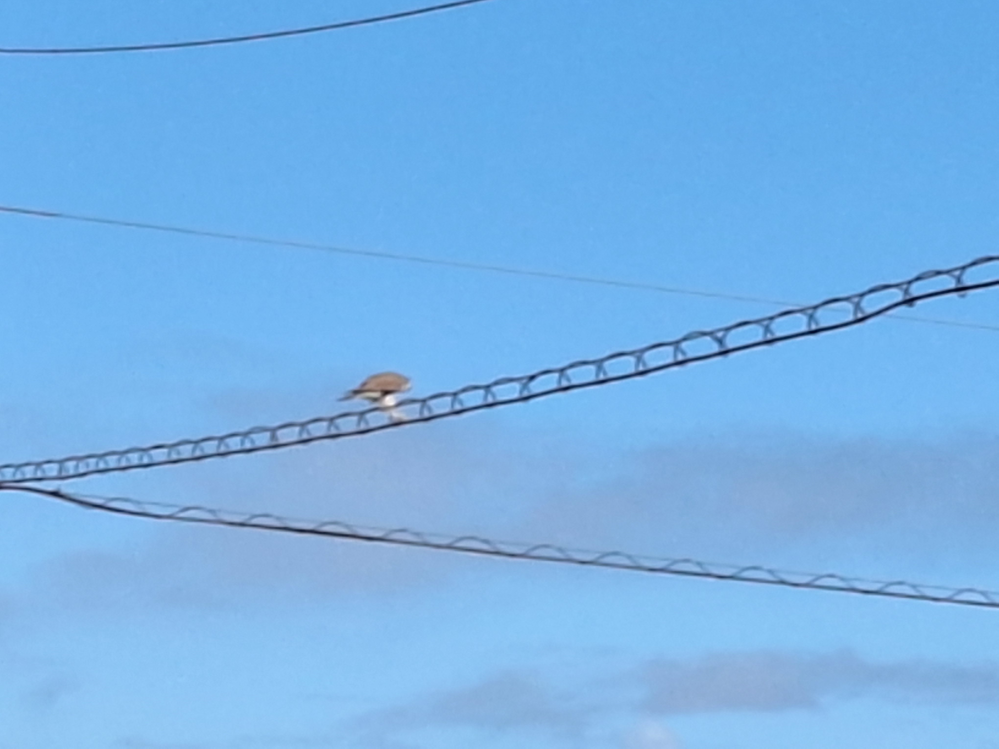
(160, 46)
(696, 346)
(423, 260)
(456, 264)
(539, 552)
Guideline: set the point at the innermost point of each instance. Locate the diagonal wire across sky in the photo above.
(538, 552)
(240, 39)
(464, 265)
(832, 314)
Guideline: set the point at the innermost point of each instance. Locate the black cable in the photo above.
(544, 552)
(238, 39)
(697, 346)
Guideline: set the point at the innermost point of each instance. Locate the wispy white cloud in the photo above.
(792, 499)
(46, 693)
(139, 743)
(505, 701)
(36, 684)
(774, 681)
(649, 734)
(504, 704)
(241, 742)
(624, 709)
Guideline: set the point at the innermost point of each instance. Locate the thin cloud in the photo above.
(138, 743)
(791, 499)
(511, 702)
(774, 681)
(649, 734)
(49, 692)
(624, 709)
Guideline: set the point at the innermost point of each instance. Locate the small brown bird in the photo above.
(382, 389)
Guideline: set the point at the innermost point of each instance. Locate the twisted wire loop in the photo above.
(480, 546)
(832, 314)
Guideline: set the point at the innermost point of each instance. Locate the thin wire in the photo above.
(238, 39)
(459, 264)
(787, 325)
(542, 552)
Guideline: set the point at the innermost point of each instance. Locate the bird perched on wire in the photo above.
(382, 389)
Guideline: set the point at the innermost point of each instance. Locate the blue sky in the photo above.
(775, 149)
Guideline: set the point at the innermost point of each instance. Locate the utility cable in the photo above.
(543, 552)
(421, 259)
(458, 264)
(787, 325)
(368, 21)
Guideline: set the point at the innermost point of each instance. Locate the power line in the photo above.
(787, 325)
(370, 20)
(457, 264)
(423, 260)
(542, 552)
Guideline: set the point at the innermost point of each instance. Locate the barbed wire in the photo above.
(787, 325)
(464, 265)
(160, 46)
(540, 552)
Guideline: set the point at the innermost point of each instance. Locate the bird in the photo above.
(382, 389)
